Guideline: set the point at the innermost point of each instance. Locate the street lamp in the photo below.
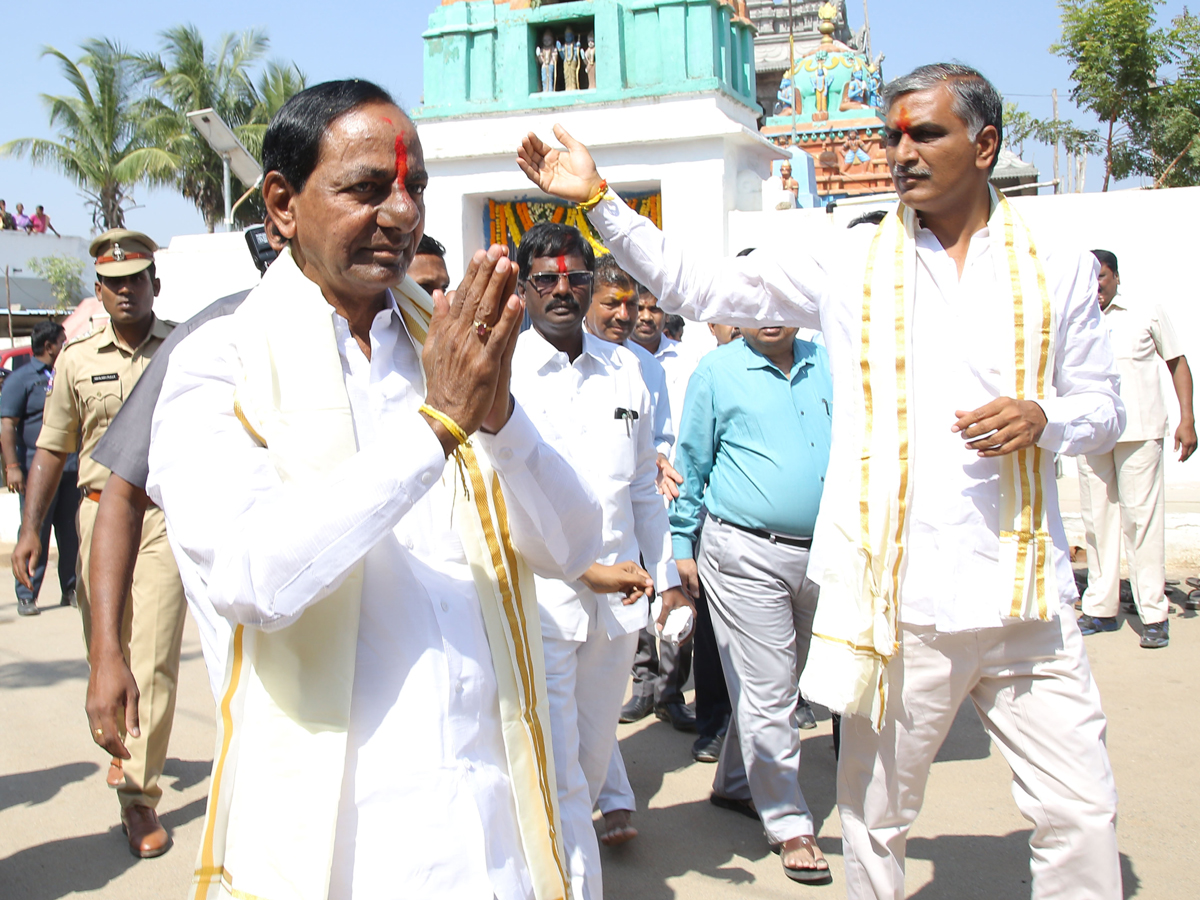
(233, 155)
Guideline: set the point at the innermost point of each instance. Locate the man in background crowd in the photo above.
(1121, 492)
(92, 378)
(21, 405)
(754, 446)
(428, 267)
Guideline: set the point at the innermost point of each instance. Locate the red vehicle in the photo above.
(16, 357)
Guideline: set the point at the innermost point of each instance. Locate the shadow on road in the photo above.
(58, 869)
(41, 673)
(32, 788)
(987, 866)
(187, 772)
(966, 739)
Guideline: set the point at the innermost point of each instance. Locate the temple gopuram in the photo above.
(828, 106)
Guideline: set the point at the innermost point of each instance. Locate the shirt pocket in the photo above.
(612, 447)
(101, 402)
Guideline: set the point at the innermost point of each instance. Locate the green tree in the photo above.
(102, 145)
(65, 274)
(187, 76)
(1019, 126)
(1116, 53)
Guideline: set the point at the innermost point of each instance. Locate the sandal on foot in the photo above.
(816, 874)
(745, 807)
(614, 836)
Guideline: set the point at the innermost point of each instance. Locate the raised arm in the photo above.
(749, 290)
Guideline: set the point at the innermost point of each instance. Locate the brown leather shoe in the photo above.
(116, 774)
(147, 837)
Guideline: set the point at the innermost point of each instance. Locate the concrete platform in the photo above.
(60, 837)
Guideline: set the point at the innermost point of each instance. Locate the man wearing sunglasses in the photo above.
(589, 401)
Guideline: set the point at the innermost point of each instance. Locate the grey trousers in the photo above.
(660, 671)
(762, 606)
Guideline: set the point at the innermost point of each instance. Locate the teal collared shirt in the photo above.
(753, 444)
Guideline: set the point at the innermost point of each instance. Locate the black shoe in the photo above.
(69, 599)
(708, 749)
(678, 714)
(27, 608)
(636, 709)
(805, 717)
(1156, 636)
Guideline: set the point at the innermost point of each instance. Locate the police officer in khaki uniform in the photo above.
(93, 376)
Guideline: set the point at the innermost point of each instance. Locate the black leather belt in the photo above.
(802, 543)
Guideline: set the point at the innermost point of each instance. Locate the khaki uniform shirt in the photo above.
(1141, 335)
(92, 378)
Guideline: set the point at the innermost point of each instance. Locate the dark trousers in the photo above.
(712, 696)
(662, 672)
(61, 517)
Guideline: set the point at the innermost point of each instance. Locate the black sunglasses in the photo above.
(544, 282)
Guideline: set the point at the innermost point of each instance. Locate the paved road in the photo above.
(59, 835)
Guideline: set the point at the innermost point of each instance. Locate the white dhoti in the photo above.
(1032, 687)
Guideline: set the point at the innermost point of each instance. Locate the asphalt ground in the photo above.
(60, 835)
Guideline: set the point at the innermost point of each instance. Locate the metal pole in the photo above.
(1054, 100)
(12, 342)
(792, 67)
(228, 191)
(867, 26)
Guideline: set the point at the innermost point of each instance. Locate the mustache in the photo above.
(899, 171)
(568, 303)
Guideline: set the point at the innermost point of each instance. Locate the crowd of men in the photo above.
(38, 223)
(450, 526)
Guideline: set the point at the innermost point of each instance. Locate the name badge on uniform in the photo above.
(111, 376)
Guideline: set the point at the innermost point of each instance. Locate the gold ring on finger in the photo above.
(99, 732)
(482, 329)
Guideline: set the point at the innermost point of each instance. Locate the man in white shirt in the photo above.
(364, 743)
(1121, 492)
(588, 397)
(938, 546)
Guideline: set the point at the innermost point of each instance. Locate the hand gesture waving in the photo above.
(569, 174)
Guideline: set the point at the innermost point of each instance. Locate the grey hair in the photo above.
(976, 100)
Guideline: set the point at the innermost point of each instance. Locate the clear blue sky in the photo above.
(382, 41)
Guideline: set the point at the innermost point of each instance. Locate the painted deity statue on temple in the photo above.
(821, 87)
(547, 59)
(856, 88)
(570, 51)
(786, 97)
(589, 60)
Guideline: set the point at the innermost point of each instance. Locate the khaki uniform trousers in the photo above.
(1121, 495)
(1032, 687)
(151, 634)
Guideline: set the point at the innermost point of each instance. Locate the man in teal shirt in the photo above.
(753, 446)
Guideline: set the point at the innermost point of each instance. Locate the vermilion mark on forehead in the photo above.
(562, 264)
(903, 120)
(401, 160)
(386, 119)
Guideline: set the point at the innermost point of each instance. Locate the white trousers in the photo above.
(617, 793)
(1121, 494)
(586, 684)
(1032, 687)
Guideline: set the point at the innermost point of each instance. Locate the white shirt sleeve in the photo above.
(555, 518)
(650, 521)
(750, 290)
(1087, 415)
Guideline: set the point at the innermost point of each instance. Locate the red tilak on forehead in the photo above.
(562, 264)
(386, 119)
(903, 122)
(401, 160)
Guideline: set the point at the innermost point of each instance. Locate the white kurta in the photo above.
(575, 406)
(427, 808)
(678, 362)
(952, 539)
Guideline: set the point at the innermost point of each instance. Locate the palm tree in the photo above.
(101, 144)
(188, 77)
